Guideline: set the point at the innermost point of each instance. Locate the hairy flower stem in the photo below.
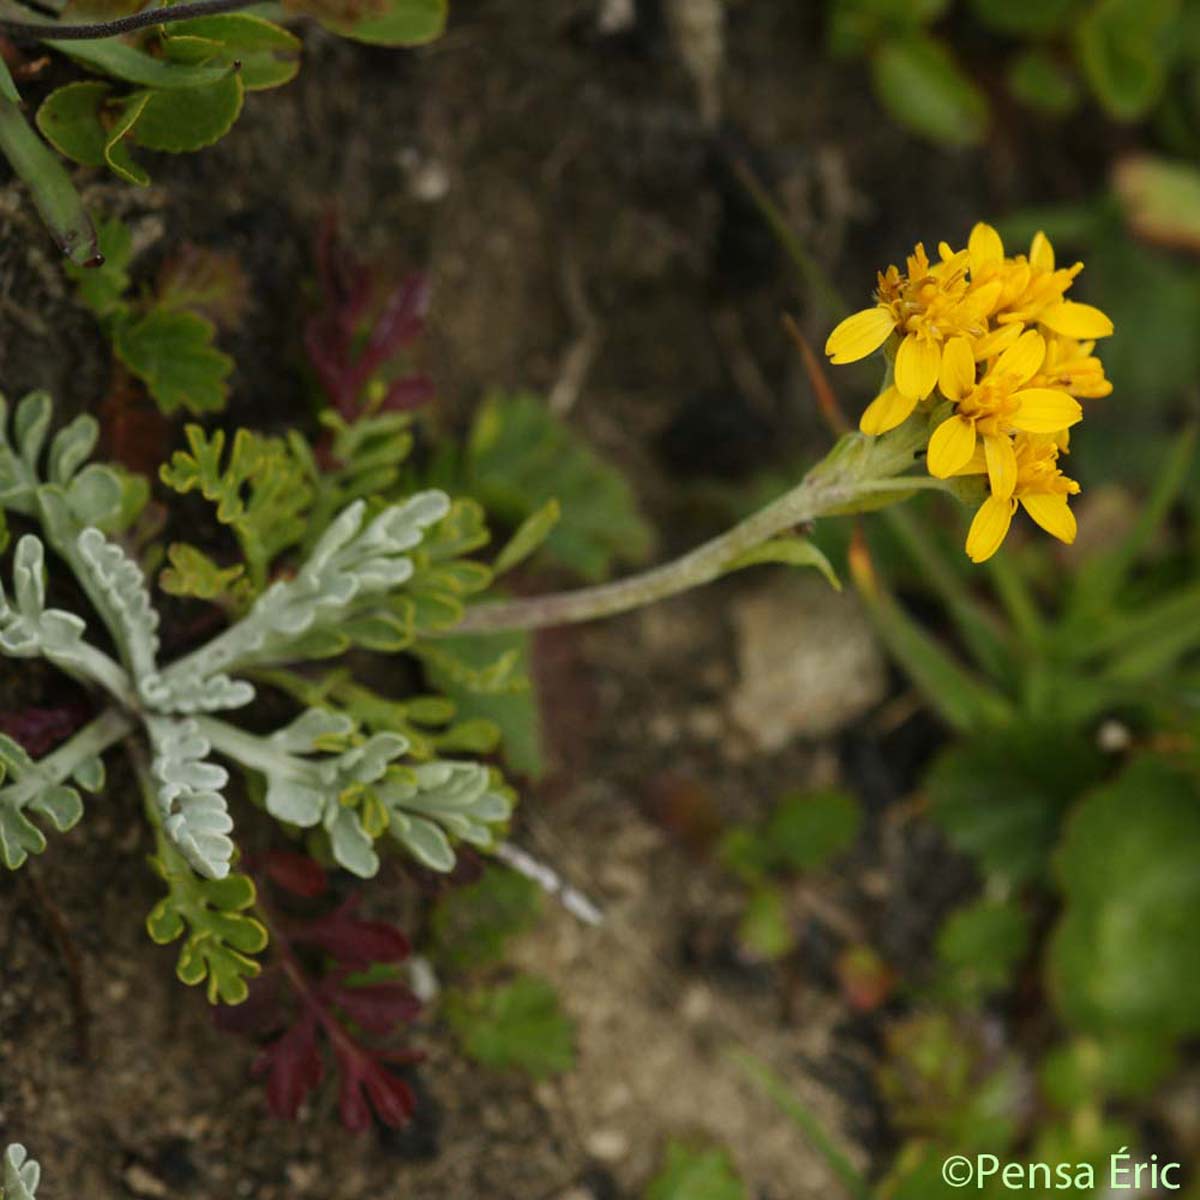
(858, 472)
(56, 32)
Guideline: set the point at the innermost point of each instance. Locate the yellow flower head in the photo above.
(925, 306)
(1041, 489)
(1000, 341)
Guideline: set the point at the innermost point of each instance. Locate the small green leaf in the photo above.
(924, 88)
(531, 533)
(765, 929)
(191, 118)
(402, 23)
(809, 829)
(518, 1025)
(792, 551)
(173, 354)
(980, 946)
(193, 573)
(694, 1174)
(1118, 1066)
(102, 288)
(84, 122)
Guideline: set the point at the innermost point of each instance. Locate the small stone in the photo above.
(608, 1145)
(808, 662)
(142, 1183)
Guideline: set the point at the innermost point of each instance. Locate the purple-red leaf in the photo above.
(364, 1079)
(353, 942)
(39, 730)
(375, 1007)
(293, 1067)
(295, 873)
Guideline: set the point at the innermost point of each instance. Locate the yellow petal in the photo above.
(917, 365)
(980, 301)
(886, 411)
(1041, 253)
(989, 528)
(951, 447)
(997, 341)
(1075, 320)
(1024, 357)
(985, 247)
(957, 374)
(1001, 464)
(1045, 410)
(860, 335)
(1053, 514)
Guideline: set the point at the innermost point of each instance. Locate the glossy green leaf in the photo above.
(267, 54)
(191, 118)
(401, 23)
(85, 122)
(924, 88)
(173, 354)
(1040, 81)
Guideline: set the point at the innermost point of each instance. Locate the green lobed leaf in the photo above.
(103, 288)
(473, 925)
(980, 946)
(518, 1025)
(174, 355)
(193, 573)
(1001, 797)
(690, 1173)
(1126, 951)
(520, 456)
(924, 88)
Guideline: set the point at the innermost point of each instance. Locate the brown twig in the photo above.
(52, 31)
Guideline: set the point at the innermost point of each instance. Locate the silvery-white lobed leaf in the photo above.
(216, 693)
(123, 587)
(21, 1174)
(195, 815)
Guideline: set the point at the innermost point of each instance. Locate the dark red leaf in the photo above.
(362, 1078)
(295, 873)
(293, 1067)
(376, 1007)
(39, 730)
(353, 942)
(403, 395)
(400, 322)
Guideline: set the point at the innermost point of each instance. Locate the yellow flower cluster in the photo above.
(996, 337)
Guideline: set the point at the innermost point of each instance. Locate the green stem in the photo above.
(54, 194)
(858, 468)
(1017, 599)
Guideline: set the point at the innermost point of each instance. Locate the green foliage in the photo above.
(520, 456)
(1118, 1066)
(1123, 49)
(691, 1173)
(1126, 952)
(193, 573)
(765, 928)
(1039, 80)
(486, 676)
(473, 925)
(514, 1026)
(261, 491)
(980, 946)
(165, 340)
(923, 88)
(402, 23)
(220, 937)
(1001, 797)
(805, 831)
